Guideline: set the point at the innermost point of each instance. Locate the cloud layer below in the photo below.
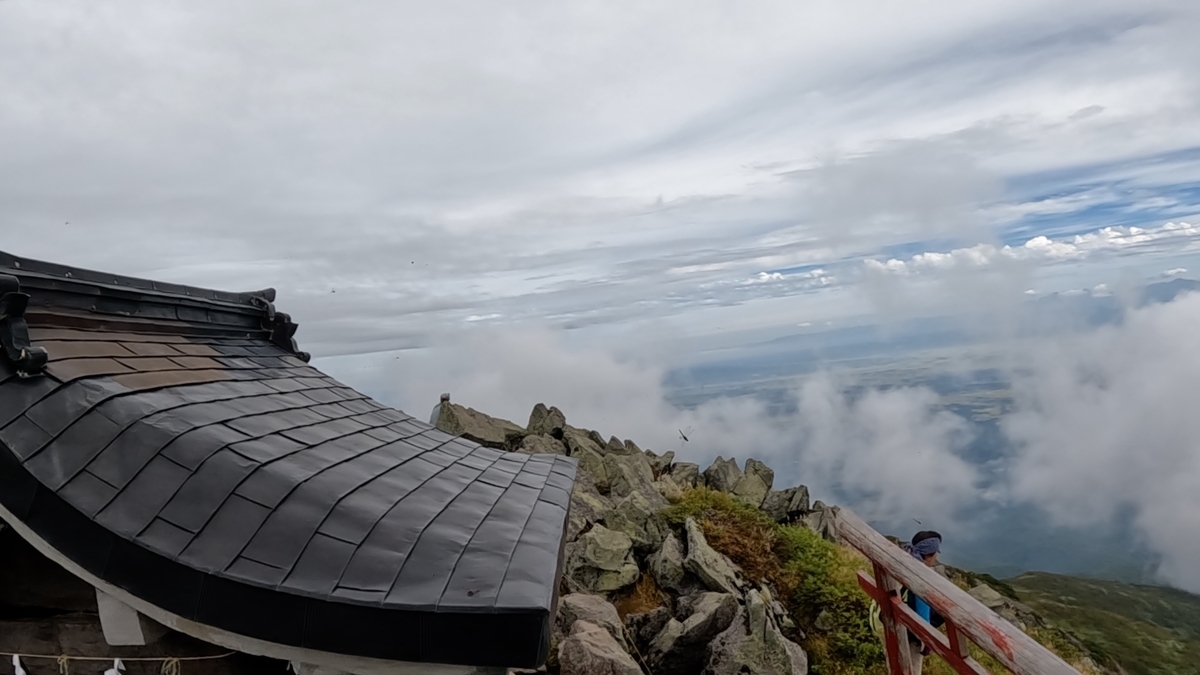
(1103, 426)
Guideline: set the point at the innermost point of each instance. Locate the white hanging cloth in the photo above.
(116, 669)
(17, 669)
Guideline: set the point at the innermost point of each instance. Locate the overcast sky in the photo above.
(404, 170)
(660, 179)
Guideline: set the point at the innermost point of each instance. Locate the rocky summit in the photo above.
(670, 569)
(639, 594)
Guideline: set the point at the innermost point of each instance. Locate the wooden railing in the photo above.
(967, 619)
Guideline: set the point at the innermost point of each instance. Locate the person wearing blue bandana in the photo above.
(925, 546)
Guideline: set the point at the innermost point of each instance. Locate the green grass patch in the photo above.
(1147, 630)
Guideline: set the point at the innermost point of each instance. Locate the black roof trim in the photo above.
(76, 296)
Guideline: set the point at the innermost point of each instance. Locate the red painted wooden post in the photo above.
(958, 643)
(895, 636)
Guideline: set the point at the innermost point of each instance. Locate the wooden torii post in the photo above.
(967, 619)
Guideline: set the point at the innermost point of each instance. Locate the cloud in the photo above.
(933, 188)
(587, 165)
(1105, 424)
(895, 452)
(1043, 250)
(1175, 272)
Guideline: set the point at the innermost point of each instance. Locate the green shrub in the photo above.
(811, 576)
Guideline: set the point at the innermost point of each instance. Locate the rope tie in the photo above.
(171, 665)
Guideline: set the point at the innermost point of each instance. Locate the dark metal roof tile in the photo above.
(150, 349)
(87, 493)
(139, 502)
(72, 349)
(205, 490)
(191, 449)
(225, 535)
(74, 369)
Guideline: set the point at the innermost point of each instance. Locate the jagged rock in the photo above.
(616, 446)
(686, 474)
(766, 473)
(631, 473)
(754, 484)
(821, 521)
(754, 645)
(678, 648)
(645, 626)
(714, 569)
(666, 565)
(787, 505)
(823, 622)
(590, 650)
(596, 438)
(660, 463)
(547, 421)
(638, 519)
(601, 561)
(632, 447)
(593, 609)
(723, 475)
(473, 425)
(588, 506)
(542, 445)
(591, 466)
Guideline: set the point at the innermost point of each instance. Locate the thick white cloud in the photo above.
(1107, 423)
(1173, 237)
(895, 451)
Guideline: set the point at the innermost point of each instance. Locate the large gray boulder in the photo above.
(785, 506)
(754, 645)
(723, 475)
(579, 438)
(627, 474)
(542, 445)
(1020, 615)
(754, 484)
(601, 561)
(591, 650)
(473, 425)
(716, 571)
(678, 649)
(666, 565)
(591, 466)
(686, 474)
(667, 488)
(588, 507)
(593, 609)
(547, 421)
(637, 518)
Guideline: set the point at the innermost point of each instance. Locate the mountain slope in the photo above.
(1146, 630)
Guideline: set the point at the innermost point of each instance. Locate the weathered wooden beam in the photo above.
(1017, 651)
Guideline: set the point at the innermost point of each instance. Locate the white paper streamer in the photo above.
(116, 669)
(17, 669)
